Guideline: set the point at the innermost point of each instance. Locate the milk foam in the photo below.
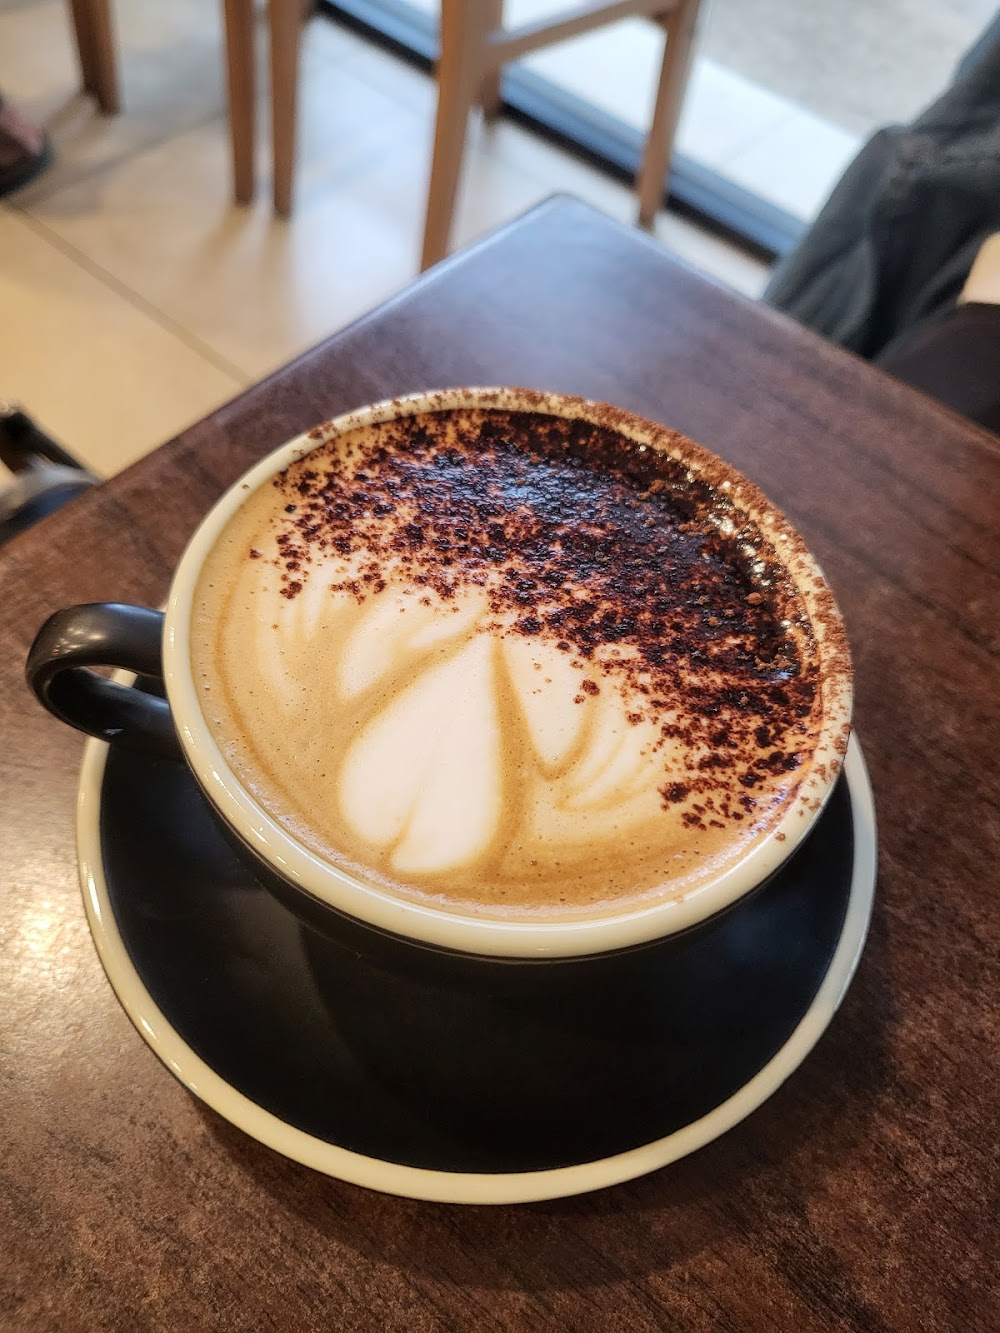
(422, 744)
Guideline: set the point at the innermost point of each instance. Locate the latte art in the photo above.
(512, 664)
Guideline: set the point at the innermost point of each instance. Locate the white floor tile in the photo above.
(37, 60)
(255, 289)
(552, 170)
(409, 87)
(796, 164)
(724, 114)
(104, 377)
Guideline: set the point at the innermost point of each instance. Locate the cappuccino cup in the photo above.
(492, 673)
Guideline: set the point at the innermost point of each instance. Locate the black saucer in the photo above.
(709, 1024)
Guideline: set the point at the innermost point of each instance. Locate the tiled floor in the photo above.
(135, 297)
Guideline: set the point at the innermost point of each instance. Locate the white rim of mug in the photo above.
(453, 930)
(467, 1187)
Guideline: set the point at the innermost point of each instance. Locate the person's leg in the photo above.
(24, 148)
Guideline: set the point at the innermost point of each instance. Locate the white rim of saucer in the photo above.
(328, 884)
(465, 1187)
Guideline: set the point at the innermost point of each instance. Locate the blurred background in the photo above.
(135, 296)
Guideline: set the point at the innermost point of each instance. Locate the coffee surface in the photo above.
(508, 663)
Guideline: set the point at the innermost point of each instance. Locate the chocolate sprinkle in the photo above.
(610, 550)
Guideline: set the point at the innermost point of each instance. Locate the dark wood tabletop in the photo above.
(866, 1193)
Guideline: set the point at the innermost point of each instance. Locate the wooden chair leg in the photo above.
(241, 86)
(285, 17)
(489, 87)
(680, 26)
(95, 42)
(84, 42)
(459, 79)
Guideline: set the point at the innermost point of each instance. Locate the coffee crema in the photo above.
(515, 664)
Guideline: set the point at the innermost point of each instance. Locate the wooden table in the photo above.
(860, 1195)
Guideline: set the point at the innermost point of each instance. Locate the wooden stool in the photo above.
(94, 30)
(285, 19)
(241, 89)
(95, 45)
(475, 47)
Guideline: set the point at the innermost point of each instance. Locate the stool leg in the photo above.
(489, 88)
(286, 18)
(680, 25)
(240, 83)
(95, 44)
(84, 43)
(459, 76)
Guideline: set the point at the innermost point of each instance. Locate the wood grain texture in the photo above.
(865, 1194)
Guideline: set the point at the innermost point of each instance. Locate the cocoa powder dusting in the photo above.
(614, 552)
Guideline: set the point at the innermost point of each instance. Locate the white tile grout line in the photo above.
(107, 279)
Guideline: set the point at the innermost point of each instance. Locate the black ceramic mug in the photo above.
(159, 646)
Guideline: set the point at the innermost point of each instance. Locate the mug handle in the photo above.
(104, 634)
